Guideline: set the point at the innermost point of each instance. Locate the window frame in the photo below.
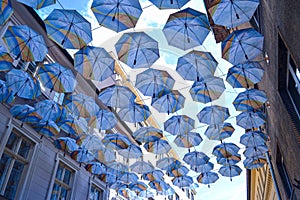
(98, 185)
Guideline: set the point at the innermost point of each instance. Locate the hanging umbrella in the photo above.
(245, 75)
(82, 155)
(230, 171)
(147, 134)
(90, 142)
(108, 178)
(57, 78)
(182, 181)
(168, 102)
(22, 84)
(103, 120)
(169, 4)
(219, 131)
(196, 65)
(158, 147)
(25, 113)
(168, 163)
(49, 110)
(68, 28)
(132, 151)
(186, 29)
(25, 43)
(66, 144)
(5, 60)
(117, 15)
(253, 138)
(74, 125)
(242, 46)
(188, 140)
(154, 175)
(116, 141)
(137, 49)
(207, 90)
(48, 128)
(175, 172)
(37, 4)
(6, 11)
(258, 150)
(229, 159)
(225, 150)
(250, 100)
(159, 185)
(195, 158)
(249, 120)
(95, 168)
(5, 95)
(117, 96)
(127, 193)
(232, 13)
(134, 113)
(203, 168)
(179, 125)
(146, 194)
(117, 167)
(94, 63)
(153, 82)
(104, 155)
(255, 162)
(213, 115)
(207, 178)
(169, 191)
(128, 177)
(141, 167)
(138, 187)
(81, 105)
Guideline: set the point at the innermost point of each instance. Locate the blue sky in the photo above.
(151, 21)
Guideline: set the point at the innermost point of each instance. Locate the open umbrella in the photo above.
(186, 29)
(5, 60)
(255, 162)
(146, 194)
(253, 138)
(90, 142)
(48, 128)
(242, 46)
(82, 155)
(195, 158)
(250, 100)
(203, 168)
(231, 13)
(25, 113)
(117, 167)
(158, 147)
(104, 155)
(258, 150)
(116, 141)
(207, 178)
(56, 77)
(68, 28)
(207, 90)
(103, 120)
(108, 178)
(179, 124)
(117, 15)
(154, 175)
(147, 134)
(159, 185)
(94, 63)
(225, 150)
(245, 75)
(219, 131)
(25, 43)
(141, 167)
(50, 110)
(137, 49)
(249, 120)
(153, 82)
(196, 65)
(229, 159)
(132, 151)
(6, 11)
(5, 95)
(128, 177)
(138, 187)
(74, 125)
(22, 84)
(37, 4)
(169, 191)
(213, 115)
(66, 144)
(169, 4)
(182, 181)
(177, 171)
(230, 171)
(95, 168)
(168, 163)
(188, 140)
(134, 113)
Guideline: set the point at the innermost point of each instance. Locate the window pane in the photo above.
(59, 172)
(55, 192)
(12, 141)
(4, 166)
(67, 176)
(24, 149)
(14, 178)
(96, 193)
(63, 193)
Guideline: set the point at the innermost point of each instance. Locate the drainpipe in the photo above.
(273, 176)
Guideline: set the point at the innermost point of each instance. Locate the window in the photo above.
(255, 20)
(96, 193)
(62, 184)
(14, 162)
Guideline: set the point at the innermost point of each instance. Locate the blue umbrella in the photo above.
(116, 141)
(95, 168)
(22, 84)
(66, 144)
(94, 63)
(225, 150)
(104, 155)
(68, 28)
(138, 187)
(245, 75)
(153, 82)
(196, 65)
(137, 49)
(207, 178)
(91, 142)
(177, 171)
(5, 95)
(74, 125)
(5, 60)
(117, 15)
(229, 159)
(182, 181)
(25, 43)
(146, 194)
(117, 167)
(82, 155)
(168, 102)
(132, 151)
(249, 120)
(253, 138)
(258, 150)
(50, 110)
(219, 131)
(169, 191)
(250, 100)
(25, 113)
(141, 167)
(255, 162)
(179, 124)
(48, 128)
(195, 158)
(158, 147)
(37, 4)
(134, 113)
(168, 163)
(186, 29)
(147, 134)
(108, 178)
(230, 171)
(207, 90)
(128, 177)
(159, 185)
(169, 4)
(213, 115)
(103, 120)
(154, 175)
(6, 11)
(188, 140)
(242, 46)
(232, 13)
(203, 168)
(117, 96)
(56, 77)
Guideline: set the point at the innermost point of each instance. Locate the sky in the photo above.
(152, 21)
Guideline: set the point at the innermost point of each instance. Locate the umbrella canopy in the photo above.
(168, 163)
(57, 78)
(134, 113)
(158, 147)
(90, 142)
(169, 4)
(153, 82)
(25, 113)
(181, 171)
(213, 115)
(117, 167)
(182, 181)
(250, 100)
(128, 177)
(22, 84)
(249, 120)
(255, 162)
(186, 29)
(207, 90)
(179, 125)
(196, 65)
(159, 185)
(104, 155)
(25, 43)
(6, 11)
(245, 75)
(219, 132)
(242, 46)
(47, 128)
(230, 171)
(225, 150)
(66, 144)
(74, 125)
(137, 49)
(253, 138)
(50, 110)
(138, 187)
(146, 194)
(231, 13)
(169, 102)
(196, 158)
(37, 4)
(132, 151)
(95, 168)
(117, 15)
(81, 105)
(169, 191)
(203, 168)
(5, 95)
(5, 60)
(117, 96)
(147, 134)
(116, 141)
(94, 63)
(154, 175)
(207, 178)
(82, 155)
(108, 178)
(68, 28)
(141, 167)
(188, 140)
(258, 150)
(103, 120)
(229, 159)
